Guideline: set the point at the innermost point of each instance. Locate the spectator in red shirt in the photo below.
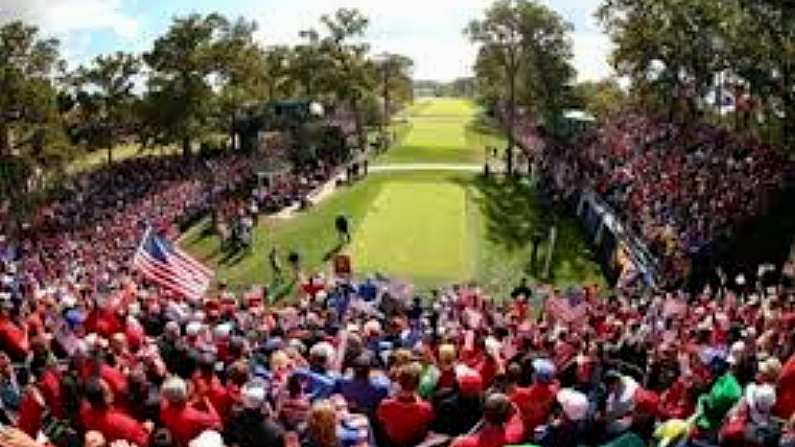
(13, 338)
(785, 389)
(207, 384)
(98, 414)
(501, 425)
(535, 401)
(406, 417)
(185, 420)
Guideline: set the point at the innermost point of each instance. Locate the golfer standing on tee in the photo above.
(343, 229)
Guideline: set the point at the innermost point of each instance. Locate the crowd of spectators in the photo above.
(679, 187)
(351, 364)
(91, 353)
(234, 219)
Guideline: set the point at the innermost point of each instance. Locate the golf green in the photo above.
(416, 230)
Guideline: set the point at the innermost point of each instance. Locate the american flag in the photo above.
(168, 266)
(567, 310)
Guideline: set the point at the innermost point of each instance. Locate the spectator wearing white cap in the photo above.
(750, 422)
(251, 425)
(568, 426)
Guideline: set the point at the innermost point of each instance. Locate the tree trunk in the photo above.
(789, 107)
(357, 119)
(110, 154)
(5, 139)
(186, 150)
(232, 134)
(511, 115)
(385, 118)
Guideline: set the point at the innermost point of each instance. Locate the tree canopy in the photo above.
(526, 47)
(184, 90)
(682, 55)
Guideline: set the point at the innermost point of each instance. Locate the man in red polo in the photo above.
(406, 417)
(183, 419)
(536, 401)
(98, 414)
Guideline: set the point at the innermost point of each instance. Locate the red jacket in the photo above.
(405, 419)
(785, 391)
(186, 422)
(534, 403)
(13, 339)
(116, 380)
(31, 412)
(50, 387)
(212, 388)
(114, 425)
(676, 401)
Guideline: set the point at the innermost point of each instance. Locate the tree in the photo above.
(522, 40)
(277, 72)
(309, 64)
(601, 98)
(33, 146)
(351, 75)
(179, 93)
(546, 73)
(762, 49)
(27, 64)
(242, 71)
(109, 106)
(672, 48)
(394, 71)
(501, 39)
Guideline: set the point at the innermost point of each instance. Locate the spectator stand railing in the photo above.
(599, 218)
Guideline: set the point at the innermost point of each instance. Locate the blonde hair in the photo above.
(279, 359)
(402, 357)
(322, 424)
(446, 355)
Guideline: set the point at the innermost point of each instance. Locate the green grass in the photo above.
(432, 228)
(429, 220)
(443, 130)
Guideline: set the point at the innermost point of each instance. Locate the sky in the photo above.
(428, 31)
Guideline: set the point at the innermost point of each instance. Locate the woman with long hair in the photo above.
(321, 429)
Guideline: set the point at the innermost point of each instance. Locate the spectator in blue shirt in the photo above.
(364, 391)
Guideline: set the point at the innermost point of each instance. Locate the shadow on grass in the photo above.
(516, 214)
(483, 124)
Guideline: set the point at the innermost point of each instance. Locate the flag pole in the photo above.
(141, 244)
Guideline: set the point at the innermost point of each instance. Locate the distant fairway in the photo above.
(416, 230)
(444, 130)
